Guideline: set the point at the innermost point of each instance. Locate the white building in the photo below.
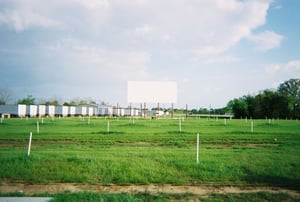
(131, 112)
(42, 110)
(13, 110)
(32, 110)
(81, 110)
(104, 110)
(90, 111)
(50, 110)
(72, 110)
(118, 112)
(62, 111)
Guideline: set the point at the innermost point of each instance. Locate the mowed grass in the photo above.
(144, 151)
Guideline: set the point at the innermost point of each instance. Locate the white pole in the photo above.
(225, 122)
(29, 144)
(179, 125)
(108, 126)
(37, 127)
(198, 147)
(251, 126)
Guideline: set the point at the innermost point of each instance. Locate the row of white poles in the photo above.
(108, 129)
(197, 153)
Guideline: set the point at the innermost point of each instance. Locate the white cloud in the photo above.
(291, 69)
(144, 29)
(223, 59)
(68, 14)
(128, 39)
(93, 4)
(88, 62)
(266, 40)
(20, 20)
(203, 28)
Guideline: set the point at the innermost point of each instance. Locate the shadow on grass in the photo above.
(108, 133)
(179, 133)
(272, 180)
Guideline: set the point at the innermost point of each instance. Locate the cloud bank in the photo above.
(120, 40)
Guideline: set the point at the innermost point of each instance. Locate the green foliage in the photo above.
(29, 100)
(51, 102)
(291, 90)
(282, 103)
(239, 107)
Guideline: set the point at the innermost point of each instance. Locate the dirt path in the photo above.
(200, 191)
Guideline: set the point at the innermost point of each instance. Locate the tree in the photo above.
(291, 89)
(29, 100)
(52, 102)
(239, 107)
(5, 95)
(250, 100)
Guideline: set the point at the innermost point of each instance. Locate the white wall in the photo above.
(15, 110)
(42, 110)
(21, 110)
(72, 111)
(65, 110)
(32, 110)
(90, 111)
(81, 110)
(50, 110)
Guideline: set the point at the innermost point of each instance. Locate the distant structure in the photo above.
(20, 110)
(158, 92)
(7, 111)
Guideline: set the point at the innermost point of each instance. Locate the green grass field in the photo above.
(146, 151)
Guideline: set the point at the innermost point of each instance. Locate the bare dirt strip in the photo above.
(199, 191)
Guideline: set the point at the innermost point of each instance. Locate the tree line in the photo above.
(284, 102)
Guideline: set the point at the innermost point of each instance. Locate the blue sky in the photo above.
(215, 50)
